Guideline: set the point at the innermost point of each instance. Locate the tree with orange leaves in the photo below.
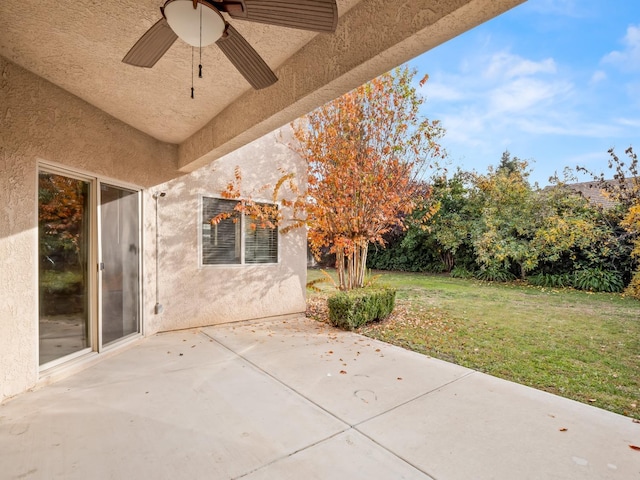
(366, 152)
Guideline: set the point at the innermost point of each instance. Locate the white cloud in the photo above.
(497, 96)
(498, 81)
(598, 77)
(628, 58)
(465, 126)
(629, 122)
(504, 65)
(527, 67)
(524, 94)
(571, 125)
(558, 108)
(595, 161)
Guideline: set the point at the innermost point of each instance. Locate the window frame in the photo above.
(242, 234)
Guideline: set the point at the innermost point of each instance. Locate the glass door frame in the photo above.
(93, 264)
(99, 275)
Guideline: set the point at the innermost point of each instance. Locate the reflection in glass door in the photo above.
(120, 263)
(64, 233)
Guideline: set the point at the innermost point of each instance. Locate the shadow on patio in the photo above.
(296, 399)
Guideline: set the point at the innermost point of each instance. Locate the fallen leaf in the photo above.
(591, 400)
(343, 372)
(563, 429)
(634, 447)
(399, 378)
(330, 351)
(377, 349)
(635, 420)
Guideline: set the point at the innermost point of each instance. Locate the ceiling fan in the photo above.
(200, 23)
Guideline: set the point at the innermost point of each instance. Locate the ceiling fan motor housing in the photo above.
(198, 27)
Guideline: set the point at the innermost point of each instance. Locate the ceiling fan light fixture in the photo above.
(184, 20)
(200, 23)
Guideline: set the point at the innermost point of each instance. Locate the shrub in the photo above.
(598, 280)
(460, 272)
(350, 310)
(550, 280)
(633, 290)
(494, 274)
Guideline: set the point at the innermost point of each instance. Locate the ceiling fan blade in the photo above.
(151, 46)
(248, 62)
(315, 15)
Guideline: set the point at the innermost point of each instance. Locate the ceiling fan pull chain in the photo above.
(200, 65)
(192, 72)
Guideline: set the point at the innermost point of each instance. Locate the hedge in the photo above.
(350, 310)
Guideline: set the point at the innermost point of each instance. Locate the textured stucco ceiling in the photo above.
(79, 44)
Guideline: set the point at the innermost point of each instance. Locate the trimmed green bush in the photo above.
(598, 280)
(350, 310)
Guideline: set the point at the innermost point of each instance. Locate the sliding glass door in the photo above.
(64, 247)
(89, 265)
(120, 263)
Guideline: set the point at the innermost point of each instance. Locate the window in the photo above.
(237, 239)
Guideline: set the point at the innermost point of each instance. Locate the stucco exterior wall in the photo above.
(194, 295)
(40, 122)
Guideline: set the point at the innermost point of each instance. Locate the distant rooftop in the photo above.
(596, 195)
(592, 192)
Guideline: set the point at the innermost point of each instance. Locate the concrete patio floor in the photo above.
(294, 399)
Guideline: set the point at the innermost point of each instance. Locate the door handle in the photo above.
(101, 266)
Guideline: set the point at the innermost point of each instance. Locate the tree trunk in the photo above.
(351, 268)
(340, 269)
(351, 262)
(448, 260)
(361, 269)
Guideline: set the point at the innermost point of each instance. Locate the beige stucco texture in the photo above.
(194, 295)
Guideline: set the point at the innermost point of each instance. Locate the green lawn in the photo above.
(579, 345)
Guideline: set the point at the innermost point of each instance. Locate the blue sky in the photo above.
(555, 82)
